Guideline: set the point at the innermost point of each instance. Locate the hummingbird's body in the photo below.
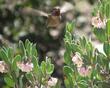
(53, 21)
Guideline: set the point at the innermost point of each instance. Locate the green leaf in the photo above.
(43, 67)
(36, 65)
(89, 50)
(68, 70)
(83, 84)
(70, 79)
(29, 49)
(83, 42)
(10, 53)
(3, 56)
(109, 66)
(27, 42)
(70, 26)
(29, 77)
(67, 58)
(108, 27)
(67, 54)
(22, 48)
(107, 10)
(76, 48)
(100, 34)
(21, 81)
(68, 37)
(9, 81)
(16, 59)
(106, 48)
(34, 51)
(5, 49)
(67, 83)
(50, 68)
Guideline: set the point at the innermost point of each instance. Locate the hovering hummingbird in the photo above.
(57, 15)
(54, 19)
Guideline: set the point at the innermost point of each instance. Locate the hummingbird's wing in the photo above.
(30, 11)
(33, 12)
(66, 6)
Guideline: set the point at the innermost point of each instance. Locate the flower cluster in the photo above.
(85, 71)
(77, 60)
(3, 67)
(98, 22)
(25, 67)
(82, 70)
(52, 81)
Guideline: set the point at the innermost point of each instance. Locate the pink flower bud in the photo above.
(85, 71)
(98, 22)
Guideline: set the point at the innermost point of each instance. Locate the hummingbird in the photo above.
(55, 23)
(54, 18)
(58, 15)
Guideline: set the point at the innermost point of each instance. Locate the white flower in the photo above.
(77, 60)
(52, 81)
(3, 67)
(25, 67)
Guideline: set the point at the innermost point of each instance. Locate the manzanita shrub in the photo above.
(86, 66)
(21, 68)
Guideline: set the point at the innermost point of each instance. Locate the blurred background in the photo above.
(20, 19)
(27, 19)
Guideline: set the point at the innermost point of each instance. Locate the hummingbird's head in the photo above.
(55, 11)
